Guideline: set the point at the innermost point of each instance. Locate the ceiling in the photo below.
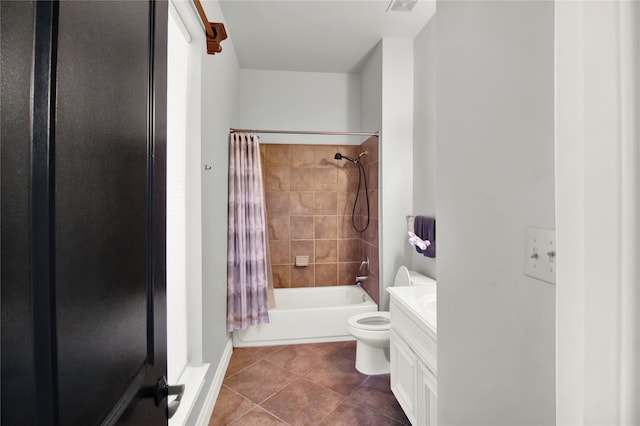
(316, 35)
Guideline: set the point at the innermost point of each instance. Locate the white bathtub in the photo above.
(308, 315)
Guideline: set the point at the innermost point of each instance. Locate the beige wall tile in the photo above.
(347, 273)
(372, 287)
(301, 203)
(373, 199)
(277, 203)
(302, 228)
(348, 179)
(279, 251)
(361, 205)
(303, 276)
(324, 156)
(302, 179)
(302, 248)
(350, 250)
(350, 151)
(276, 155)
(325, 203)
(325, 179)
(371, 146)
(374, 263)
(310, 198)
(326, 274)
(361, 223)
(344, 203)
(278, 227)
(326, 251)
(345, 228)
(276, 179)
(301, 156)
(370, 235)
(326, 227)
(281, 276)
(372, 175)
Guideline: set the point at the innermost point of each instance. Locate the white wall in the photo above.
(309, 101)
(371, 91)
(495, 176)
(208, 296)
(396, 159)
(185, 295)
(219, 109)
(598, 181)
(177, 74)
(424, 135)
(387, 104)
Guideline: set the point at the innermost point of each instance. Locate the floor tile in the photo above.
(239, 361)
(260, 351)
(303, 384)
(346, 415)
(329, 347)
(229, 406)
(346, 350)
(303, 402)
(375, 393)
(258, 417)
(297, 358)
(337, 373)
(259, 381)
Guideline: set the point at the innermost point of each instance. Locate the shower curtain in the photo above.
(248, 269)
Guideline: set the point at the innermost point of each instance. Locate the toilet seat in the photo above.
(372, 321)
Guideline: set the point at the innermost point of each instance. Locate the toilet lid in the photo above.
(402, 277)
(374, 321)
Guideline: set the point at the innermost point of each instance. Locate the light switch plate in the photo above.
(540, 253)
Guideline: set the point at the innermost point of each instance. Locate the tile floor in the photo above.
(313, 384)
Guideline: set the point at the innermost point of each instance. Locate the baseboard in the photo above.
(193, 379)
(216, 385)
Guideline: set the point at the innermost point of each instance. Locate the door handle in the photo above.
(173, 406)
(163, 390)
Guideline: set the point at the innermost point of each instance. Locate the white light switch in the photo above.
(540, 253)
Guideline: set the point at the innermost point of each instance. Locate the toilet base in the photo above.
(372, 359)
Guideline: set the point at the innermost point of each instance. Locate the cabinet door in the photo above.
(404, 372)
(427, 398)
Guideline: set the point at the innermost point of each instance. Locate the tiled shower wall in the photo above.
(310, 198)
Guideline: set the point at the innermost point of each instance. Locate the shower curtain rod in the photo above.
(304, 132)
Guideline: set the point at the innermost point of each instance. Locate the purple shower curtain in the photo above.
(247, 278)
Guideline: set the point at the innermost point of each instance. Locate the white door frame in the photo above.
(597, 212)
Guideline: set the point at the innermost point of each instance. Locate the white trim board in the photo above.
(216, 385)
(193, 380)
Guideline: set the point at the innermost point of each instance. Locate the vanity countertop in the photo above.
(420, 302)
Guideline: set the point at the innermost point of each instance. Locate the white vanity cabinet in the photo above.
(413, 354)
(427, 396)
(404, 376)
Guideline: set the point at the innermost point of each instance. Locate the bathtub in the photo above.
(308, 315)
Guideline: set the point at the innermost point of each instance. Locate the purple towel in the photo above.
(425, 228)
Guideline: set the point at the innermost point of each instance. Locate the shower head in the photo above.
(339, 156)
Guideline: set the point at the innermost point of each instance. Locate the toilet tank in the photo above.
(420, 279)
(405, 277)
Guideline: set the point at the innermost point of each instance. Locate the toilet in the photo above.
(372, 329)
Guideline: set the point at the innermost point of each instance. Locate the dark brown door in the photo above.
(83, 212)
